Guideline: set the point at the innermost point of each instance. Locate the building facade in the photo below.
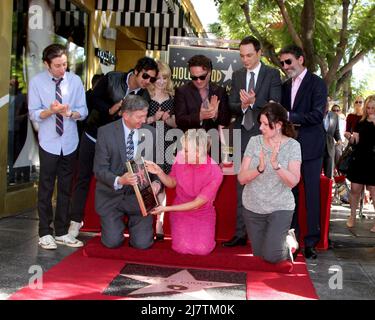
(100, 35)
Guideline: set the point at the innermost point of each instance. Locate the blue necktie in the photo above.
(130, 146)
(59, 117)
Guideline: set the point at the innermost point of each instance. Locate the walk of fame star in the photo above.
(180, 282)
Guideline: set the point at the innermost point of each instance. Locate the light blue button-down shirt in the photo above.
(41, 94)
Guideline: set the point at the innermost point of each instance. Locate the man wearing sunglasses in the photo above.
(201, 103)
(106, 98)
(304, 95)
(252, 87)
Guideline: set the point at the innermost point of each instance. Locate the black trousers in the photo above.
(82, 185)
(51, 167)
(310, 171)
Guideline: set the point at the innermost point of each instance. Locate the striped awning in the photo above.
(158, 38)
(150, 6)
(71, 18)
(153, 20)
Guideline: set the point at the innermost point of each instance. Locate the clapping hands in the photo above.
(211, 110)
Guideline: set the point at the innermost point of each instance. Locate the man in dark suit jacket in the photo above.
(304, 95)
(200, 103)
(118, 142)
(331, 126)
(105, 101)
(252, 87)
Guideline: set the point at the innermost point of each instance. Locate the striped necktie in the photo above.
(130, 146)
(59, 117)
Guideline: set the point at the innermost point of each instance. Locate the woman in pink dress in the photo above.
(197, 179)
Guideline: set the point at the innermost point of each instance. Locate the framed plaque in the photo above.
(145, 195)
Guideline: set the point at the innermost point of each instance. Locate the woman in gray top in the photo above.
(270, 169)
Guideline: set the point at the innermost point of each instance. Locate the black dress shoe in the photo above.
(235, 241)
(159, 237)
(295, 253)
(310, 253)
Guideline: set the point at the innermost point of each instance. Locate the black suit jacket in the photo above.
(108, 91)
(307, 113)
(188, 105)
(267, 87)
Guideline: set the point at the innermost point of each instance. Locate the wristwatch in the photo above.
(278, 167)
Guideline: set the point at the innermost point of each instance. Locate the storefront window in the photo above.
(36, 24)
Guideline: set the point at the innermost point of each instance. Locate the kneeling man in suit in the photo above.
(118, 142)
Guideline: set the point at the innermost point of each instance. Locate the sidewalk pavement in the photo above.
(352, 256)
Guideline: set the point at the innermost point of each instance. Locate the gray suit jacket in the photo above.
(109, 162)
(333, 133)
(267, 87)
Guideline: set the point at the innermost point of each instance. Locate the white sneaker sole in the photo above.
(48, 247)
(77, 244)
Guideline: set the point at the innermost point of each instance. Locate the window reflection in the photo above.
(61, 22)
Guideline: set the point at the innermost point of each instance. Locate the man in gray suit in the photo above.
(120, 141)
(252, 87)
(332, 128)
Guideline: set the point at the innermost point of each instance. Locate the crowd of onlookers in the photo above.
(288, 133)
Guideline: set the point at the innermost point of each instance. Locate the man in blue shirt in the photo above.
(56, 101)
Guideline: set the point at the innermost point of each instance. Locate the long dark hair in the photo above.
(275, 112)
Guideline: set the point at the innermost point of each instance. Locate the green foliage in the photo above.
(266, 18)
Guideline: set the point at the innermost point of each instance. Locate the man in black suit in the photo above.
(331, 126)
(201, 103)
(304, 95)
(252, 87)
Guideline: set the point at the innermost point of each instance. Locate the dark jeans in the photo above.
(51, 167)
(82, 185)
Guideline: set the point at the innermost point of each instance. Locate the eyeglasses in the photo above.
(358, 102)
(286, 61)
(336, 110)
(146, 76)
(202, 77)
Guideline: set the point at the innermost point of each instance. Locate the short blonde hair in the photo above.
(165, 71)
(198, 139)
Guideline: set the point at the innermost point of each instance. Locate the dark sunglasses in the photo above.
(195, 78)
(336, 110)
(147, 76)
(358, 102)
(286, 61)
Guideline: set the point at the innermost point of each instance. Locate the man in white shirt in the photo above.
(56, 101)
(252, 87)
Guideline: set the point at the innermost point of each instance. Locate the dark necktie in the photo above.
(59, 117)
(248, 119)
(130, 146)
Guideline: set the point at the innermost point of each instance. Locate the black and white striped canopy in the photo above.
(150, 6)
(158, 38)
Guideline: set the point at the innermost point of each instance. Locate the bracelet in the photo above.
(260, 171)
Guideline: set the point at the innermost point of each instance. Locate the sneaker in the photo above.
(74, 228)
(292, 243)
(47, 242)
(69, 241)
